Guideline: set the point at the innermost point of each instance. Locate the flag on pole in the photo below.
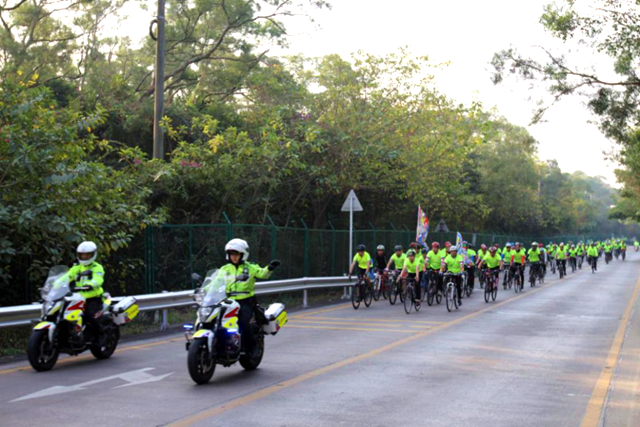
(461, 250)
(422, 230)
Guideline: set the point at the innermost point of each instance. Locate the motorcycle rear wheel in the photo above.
(105, 351)
(252, 363)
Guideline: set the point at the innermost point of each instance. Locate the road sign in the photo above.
(137, 377)
(348, 207)
(442, 227)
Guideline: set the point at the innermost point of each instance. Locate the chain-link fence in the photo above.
(173, 252)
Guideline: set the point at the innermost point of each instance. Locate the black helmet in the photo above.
(398, 248)
(361, 248)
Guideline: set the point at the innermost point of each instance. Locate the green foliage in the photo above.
(55, 192)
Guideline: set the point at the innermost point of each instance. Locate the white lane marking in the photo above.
(137, 377)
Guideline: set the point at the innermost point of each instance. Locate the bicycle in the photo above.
(450, 292)
(574, 265)
(466, 288)
(409, 296)
(433, 290)
(534, 273)
(379, 285)
(424, 286)
(562, 268)
(492, 280)
(552, 265)
(593, 263)
(580, 261)
(361, 293)
(396, 290)
(624, 255)
(608, 258)
(517, 280)
(507, 279)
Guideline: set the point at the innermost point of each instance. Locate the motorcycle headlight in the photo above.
(204, 313)
(46, 307)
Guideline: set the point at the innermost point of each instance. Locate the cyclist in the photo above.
(471, 265)
(543, 258)
(518, 257)
(573, 257)
(506, 252)
(361, 263)
(381, 259)
(608, 250)
(623, 249)
(561, 258)
(636, 245)
(454, 264)
(592, 256)
(482, 252)
(494, 263)
(447, 246)
(410, 271)
(397, 261)
(533, 255)
(433, 262)
(420, 255)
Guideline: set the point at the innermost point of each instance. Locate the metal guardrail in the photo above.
(21, 315)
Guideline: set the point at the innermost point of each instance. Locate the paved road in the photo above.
(564, 354)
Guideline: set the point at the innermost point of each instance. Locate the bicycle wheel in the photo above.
(377, 288)
(355, 296)
(487, 293)
(430, 297)
(408, 298)
(368, 295)
(516, 283)
(438, 297)
(494, 291)
(401, 294)
(450, 297)
(393, 294)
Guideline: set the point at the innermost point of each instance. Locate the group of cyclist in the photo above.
(459, 264)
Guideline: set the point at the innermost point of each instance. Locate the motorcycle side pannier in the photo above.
(276, 318)
(125, 311)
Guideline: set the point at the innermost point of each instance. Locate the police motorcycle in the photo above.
(217, 339)
(63, 328)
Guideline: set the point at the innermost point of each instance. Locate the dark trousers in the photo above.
(512, 270)
(471, 275)
(247, 307)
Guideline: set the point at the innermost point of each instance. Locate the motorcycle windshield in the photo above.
(214, 288)
(57, 284)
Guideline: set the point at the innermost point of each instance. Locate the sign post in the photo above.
(351, 205)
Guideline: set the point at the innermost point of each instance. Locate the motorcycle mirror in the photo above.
(196, 277)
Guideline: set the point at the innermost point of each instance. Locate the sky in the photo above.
(466, 33)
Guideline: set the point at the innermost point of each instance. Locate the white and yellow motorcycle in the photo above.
(62, 327)
(217, 339)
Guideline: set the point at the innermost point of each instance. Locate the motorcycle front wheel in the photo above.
(199, 361)
(42, 354)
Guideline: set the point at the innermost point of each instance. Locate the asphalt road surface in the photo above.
(562, 354)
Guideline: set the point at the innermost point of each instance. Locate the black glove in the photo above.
(273, 264)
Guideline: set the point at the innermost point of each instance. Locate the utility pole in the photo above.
(158, 135)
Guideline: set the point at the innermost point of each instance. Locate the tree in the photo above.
(611, 28)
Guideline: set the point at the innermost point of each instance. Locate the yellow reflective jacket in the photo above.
(230, 272)
(95, 278)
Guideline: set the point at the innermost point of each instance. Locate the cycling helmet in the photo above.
(237, 245)
(534, 243)
(540, 245)
(435, 245)
(483, 247)
(361, 248)
(507, 245)
(493, 249)
(411, 252)
(447, 243)
(518, 244)
(424, 251)
(87, 248)
(398, 248)
(453, 249)
(561, 243)
(380, 248)
(496, 245)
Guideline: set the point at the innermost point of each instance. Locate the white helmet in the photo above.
(87, 248)
(380, 248)
(453, 248)
(237, 245)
